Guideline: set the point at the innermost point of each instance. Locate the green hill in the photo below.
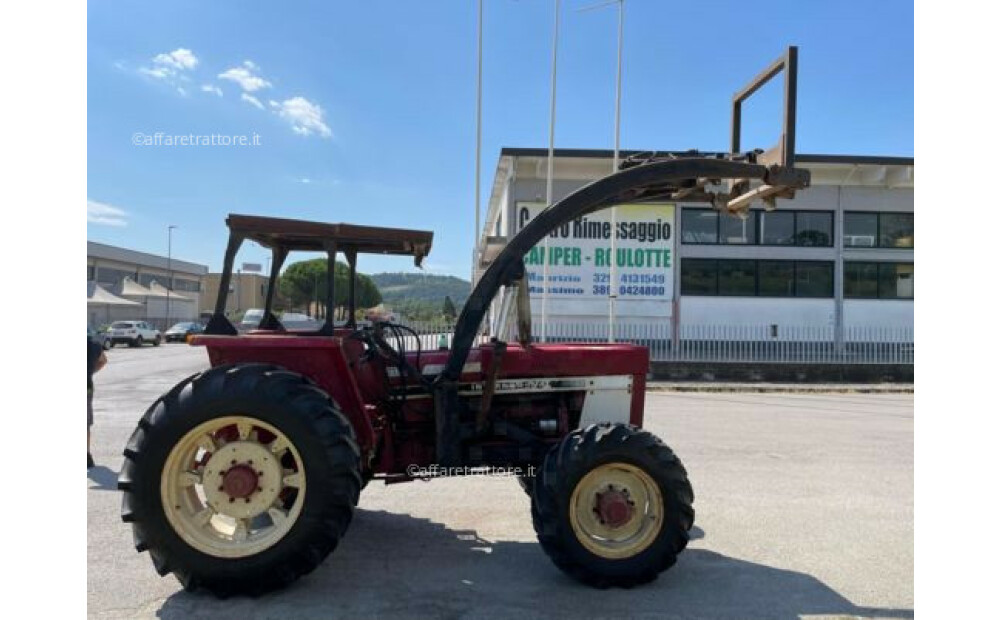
(418, 296)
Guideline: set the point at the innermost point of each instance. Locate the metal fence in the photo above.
(728, 343)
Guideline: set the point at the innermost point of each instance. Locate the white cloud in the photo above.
(245, 77)
(160, 73)
(252, 101)
(305, 117)
(100, 213)
(249, 64)
(211, 88)
(305, 180)
(179, 59)
(181, 91)
(171, 67)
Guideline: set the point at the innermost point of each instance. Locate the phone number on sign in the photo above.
(632, 278)
(644, 291)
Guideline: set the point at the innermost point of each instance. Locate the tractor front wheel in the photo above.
(240, 479)
(612, 505)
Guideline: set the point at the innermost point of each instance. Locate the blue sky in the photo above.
(365, 111)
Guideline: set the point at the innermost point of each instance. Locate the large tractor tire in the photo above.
(240, 479)
(612, 505)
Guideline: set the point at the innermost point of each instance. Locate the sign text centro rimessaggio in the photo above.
(579, 253)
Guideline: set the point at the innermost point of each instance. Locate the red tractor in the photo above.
(245, 476)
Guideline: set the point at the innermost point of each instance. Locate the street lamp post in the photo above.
(170, 268)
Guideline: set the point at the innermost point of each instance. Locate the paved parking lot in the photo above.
(804, 508)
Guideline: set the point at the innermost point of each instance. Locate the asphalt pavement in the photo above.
(804, 509)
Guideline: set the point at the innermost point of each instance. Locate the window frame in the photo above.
(833, 279)
(878, 233)
(878, 279)
(717, 226)
(794, 263)
(755, 214)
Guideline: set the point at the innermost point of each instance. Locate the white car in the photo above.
(251, 318)
(133, 333)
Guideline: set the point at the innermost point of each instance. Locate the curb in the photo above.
(779, 389)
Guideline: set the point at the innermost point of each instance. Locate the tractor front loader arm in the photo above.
(656, 179)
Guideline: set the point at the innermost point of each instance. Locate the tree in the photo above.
(306, 281)
(449, 308)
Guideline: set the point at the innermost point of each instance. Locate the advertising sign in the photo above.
(579, 254)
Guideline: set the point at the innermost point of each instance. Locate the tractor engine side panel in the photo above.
(617, 372)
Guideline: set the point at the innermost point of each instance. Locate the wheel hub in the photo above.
(240, 481)
(614, 508)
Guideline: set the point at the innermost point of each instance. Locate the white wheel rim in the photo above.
(636, 532)
(207, 486)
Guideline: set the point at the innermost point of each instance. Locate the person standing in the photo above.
(96, 359)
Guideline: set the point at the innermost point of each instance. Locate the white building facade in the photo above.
(837, 257)
(144, 278)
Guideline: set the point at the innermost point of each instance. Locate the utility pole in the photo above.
(548, 178)
(170, 269)
(613, 287)
(479, 143)
(613, 297)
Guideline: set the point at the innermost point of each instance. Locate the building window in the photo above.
(737, 278)
(793, 228)
(777, 228)
(191, 286)
(814, 229)
(871, 280)
(878, 230)
(813, 279)
(699, 226)
(108, 277)
(860, 230)
(756, 278)
(895, 230)
(738, 231)
(699, 277)
(860, 280)
(777, 278)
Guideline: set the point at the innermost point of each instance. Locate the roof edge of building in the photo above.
(879, 160)
(116, 253)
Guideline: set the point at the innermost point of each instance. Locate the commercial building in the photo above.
(162, 289)
(837, 257)
(246, 290)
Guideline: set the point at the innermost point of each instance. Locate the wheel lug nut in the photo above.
(232, 462)
(232, 499)
(247, 500)
(221, 488)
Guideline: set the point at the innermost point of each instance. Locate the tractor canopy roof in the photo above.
(300, 235)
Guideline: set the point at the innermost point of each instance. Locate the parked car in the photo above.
(251, 319)
(180, 331)
(134, 333)
(99, 336)
(299, 321)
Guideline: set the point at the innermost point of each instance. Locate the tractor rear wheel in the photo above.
(240, 479)
(612, 505)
